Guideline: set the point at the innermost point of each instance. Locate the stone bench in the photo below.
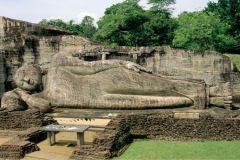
(53, 129)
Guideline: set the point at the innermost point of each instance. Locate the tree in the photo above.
(129, 24)
(161, 4)
(229, 12)
(159, 30)
(86, 28)
(122, 23)
(202, 31)
(55, 22)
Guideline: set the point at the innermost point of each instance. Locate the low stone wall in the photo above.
(122, 129)
(28, 124)
(168, 126)
(23, 143)
(109, 143)
(17, 149)
(20, 120)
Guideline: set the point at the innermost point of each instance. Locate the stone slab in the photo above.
(43, 155)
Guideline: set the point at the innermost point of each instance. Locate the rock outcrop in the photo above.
(27, 43)
(3, 75)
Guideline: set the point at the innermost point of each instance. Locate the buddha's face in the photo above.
(28, 77)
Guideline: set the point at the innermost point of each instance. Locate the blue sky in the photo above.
(36, 10)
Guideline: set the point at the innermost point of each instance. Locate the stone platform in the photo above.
(98, 118)
(91, 114)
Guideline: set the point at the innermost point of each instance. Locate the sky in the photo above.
(36, 10)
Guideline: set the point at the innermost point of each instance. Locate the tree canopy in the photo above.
(86, 28)
(202, 31)
(129, 24)
(229, 12)
(121, 24)
(161, 3)
(217, 27)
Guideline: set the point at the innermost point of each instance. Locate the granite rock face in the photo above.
(3, 75)
(27, 43)
(214, 69)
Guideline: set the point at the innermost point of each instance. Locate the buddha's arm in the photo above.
(78, 66)
(93, 67)
(34, 102)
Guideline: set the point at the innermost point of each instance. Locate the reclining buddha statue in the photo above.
(105, 84)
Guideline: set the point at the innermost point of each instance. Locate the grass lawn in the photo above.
(175, 150)
(235, 58)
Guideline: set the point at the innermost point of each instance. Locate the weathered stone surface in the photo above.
(20, 120)
(115, 84)
(2, 75)
(23, 42)
(112, 84)
(16, 149)
(27, 43)
(28, 79)
(235, 85)
(108, 144)
(211, 67)
(24, 142)
(28, 124)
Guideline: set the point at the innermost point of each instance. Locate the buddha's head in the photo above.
(28, 77)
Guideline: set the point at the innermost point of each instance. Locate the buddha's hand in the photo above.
(137, 68)
(22, 93)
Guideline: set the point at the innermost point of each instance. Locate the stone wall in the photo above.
(203, 126)
(20, 120)
(16, 149)
(111, 142)
(28, 126)
(168, 125)
(22, 143)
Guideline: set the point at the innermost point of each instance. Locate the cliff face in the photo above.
(215, 69)
(27, 43)
(3, 76)
(24, 43)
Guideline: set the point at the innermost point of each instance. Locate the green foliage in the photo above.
(161, 3)
(129, 24)
(229, 12)
(167, 150)
(121, 24)
(202, 31)
(235, 58)
(86, 28)
(159, 29)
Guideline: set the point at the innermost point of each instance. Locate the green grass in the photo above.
(174, 150)
(235, 58)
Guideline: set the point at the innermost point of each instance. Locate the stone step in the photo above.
(43, 155)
